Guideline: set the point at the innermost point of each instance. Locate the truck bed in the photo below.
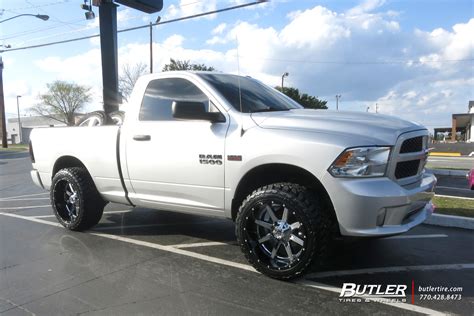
(56, 144)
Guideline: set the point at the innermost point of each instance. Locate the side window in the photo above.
(160, 94)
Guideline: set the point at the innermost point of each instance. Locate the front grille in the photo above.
(412, 145)
(407, 169)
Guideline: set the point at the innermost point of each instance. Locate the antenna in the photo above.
(240, 91)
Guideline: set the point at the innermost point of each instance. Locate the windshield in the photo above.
(256, 97)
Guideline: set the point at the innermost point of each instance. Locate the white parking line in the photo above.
(200, 244)
(405, 306)
(454, 197)
(326, 274)
(32, 199)
(453, 188)
(31, 219)
(418, 236)
(23, 207)
(251, 269)
(109, 212)
(145, 244)
(146, 225)
(19, 196)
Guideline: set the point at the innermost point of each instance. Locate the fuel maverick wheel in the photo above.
(75, 200)
(282, 230)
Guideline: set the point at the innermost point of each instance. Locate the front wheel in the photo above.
(282, 230)
(75, 200)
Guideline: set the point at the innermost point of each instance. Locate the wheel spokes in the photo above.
(70, 212)
(297, 240)
(263, 224)
(270, 212)
(285, 215)
(289, 252)
(275, 250)
(265, 238)
(71, 188)
(295, 225)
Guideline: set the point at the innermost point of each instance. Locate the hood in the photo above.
(373, 128)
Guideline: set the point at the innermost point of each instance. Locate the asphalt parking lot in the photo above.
(454, 186)
(156, 262)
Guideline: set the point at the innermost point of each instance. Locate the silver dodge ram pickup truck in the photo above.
(225, 145)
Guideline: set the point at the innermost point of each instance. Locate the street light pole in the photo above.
(2, 108)
(18, 109)
(286, 74)
(338, 96)
(39, 16)
(151, 47)
(2, 100)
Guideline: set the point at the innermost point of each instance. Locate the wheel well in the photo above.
(273, 173)
(67, 162)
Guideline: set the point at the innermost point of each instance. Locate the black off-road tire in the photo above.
(303, 207)
(88, 206)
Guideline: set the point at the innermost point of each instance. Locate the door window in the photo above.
(160, 94)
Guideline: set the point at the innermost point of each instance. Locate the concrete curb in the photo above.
(447, 172)
(450, 221)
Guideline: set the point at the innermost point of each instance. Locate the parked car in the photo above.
(225, 145)
(470, 179)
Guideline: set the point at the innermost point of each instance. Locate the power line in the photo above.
(139, 27)
(37, 6)
(28, 32)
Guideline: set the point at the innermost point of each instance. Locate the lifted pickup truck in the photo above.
(225, 145)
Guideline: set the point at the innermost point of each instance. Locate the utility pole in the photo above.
(2, 108)
(108, 51)
(338, 96)
(19, 121)
(151, 47)
(286, 74)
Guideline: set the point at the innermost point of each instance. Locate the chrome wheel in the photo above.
(67, 201)
(276, 234)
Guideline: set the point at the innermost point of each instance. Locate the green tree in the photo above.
(306, 100)
(62, 101)
(185, 65)
(129, 77)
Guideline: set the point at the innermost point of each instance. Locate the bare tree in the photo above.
(129, 77)
(62, 101)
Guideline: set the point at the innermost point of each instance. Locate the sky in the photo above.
(413, 58)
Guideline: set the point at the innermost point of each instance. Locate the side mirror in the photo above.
(188, 110)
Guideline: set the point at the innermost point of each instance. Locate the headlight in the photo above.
(361, 162)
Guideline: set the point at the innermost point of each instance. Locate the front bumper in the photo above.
(379, 206)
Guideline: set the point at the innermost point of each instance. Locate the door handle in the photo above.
(141, 137)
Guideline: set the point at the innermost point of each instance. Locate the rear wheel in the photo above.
(282, 230)
(75, 200)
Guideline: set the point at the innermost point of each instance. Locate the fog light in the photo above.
(381, 217)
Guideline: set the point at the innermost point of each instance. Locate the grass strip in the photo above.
(450, 206)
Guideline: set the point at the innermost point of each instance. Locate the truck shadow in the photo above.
(173, 227)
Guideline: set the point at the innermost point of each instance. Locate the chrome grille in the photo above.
(408, 157)
(407, 169)
(412, 145)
